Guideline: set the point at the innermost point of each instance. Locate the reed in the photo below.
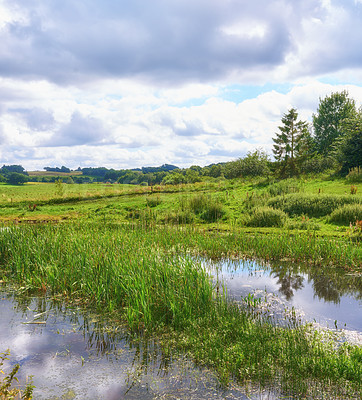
(347, 214)
(311, 205)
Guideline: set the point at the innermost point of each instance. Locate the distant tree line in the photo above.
(56, 169)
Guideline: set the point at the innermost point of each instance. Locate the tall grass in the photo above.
(109, 266)
(311, 205)
(205, 207)
(347, 214)
(266, 216)
(354, 175)
(283, 187)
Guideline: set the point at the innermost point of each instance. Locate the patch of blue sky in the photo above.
(240, 93)
(236, 94)
(344, 80)
(195, 102)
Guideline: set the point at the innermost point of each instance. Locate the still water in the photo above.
(74, 354)
(323, 296)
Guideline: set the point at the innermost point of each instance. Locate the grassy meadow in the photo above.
(133, 251)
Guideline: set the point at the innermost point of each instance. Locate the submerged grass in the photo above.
(146, 274)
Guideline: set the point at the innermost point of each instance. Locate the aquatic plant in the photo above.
(7, 389)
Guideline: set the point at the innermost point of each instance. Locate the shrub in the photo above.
(347, 214)
(311, 205)
(266, 217)
(318, 164)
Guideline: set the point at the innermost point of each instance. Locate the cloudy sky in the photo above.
(132, 83)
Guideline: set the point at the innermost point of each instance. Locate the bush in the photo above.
(266, 217)
(318, 164)
(311, 205)
(347, 214)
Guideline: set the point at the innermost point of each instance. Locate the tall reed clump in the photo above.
(284, 187)
(111, 267)
(311, 205)
(266, 217)
(206, 207)
(347, 214)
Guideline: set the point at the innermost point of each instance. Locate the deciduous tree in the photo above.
(327, 123)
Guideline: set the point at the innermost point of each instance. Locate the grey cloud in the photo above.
(79, 131)
(68, 42)
(36, 118)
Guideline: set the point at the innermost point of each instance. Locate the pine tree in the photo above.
(290, 143)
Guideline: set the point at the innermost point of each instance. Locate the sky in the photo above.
(132, 83)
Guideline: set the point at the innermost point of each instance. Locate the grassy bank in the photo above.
(147, 275)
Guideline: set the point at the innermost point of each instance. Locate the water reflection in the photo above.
(288, 281)
(77, 354)
(322, 294)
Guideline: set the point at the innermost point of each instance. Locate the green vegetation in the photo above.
(266, 216)
(7, 389)
(311, 205)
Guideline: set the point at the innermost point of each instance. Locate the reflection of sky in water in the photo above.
(65, 366)
(241, 278)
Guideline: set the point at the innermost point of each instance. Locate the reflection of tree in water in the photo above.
(325, 288)
(288, 281)
(328, 284)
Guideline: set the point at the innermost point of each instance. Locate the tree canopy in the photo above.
(327, 122)
(351, 145)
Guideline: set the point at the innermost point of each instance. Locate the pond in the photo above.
(74, 354)
(326, 297)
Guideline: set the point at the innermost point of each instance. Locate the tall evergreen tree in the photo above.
(289, 143)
